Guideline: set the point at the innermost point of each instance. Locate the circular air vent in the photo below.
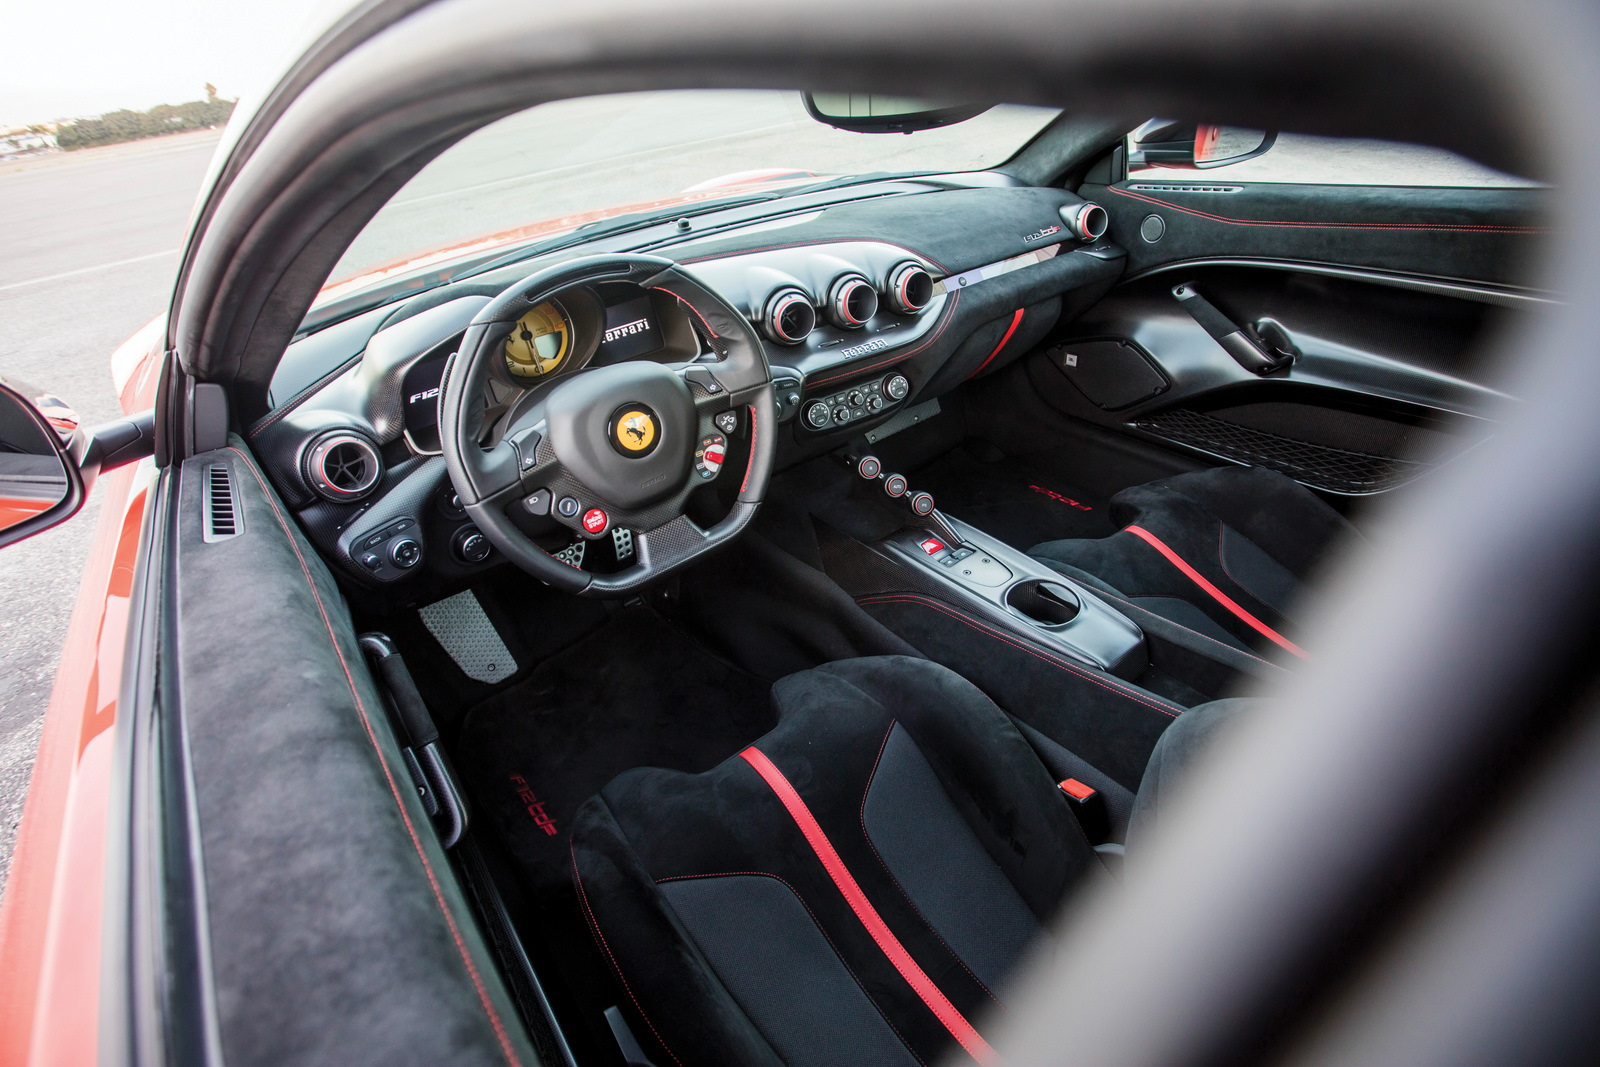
(789, 317)
(1087, 221)
(910, 288)
(851, 302)
(343, 466)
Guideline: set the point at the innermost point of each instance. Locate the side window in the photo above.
(1175, 152)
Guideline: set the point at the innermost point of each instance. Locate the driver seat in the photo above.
(856, 886)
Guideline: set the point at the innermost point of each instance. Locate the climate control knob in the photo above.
(817, 414)
(841, 415)
(471, 546)
(896, 386)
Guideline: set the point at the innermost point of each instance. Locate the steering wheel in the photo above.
(608, 448)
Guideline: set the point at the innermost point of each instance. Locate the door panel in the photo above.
(1387, 298)
(1482, 235)
(337, 930)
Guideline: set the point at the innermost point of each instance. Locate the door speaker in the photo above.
(1112, 374)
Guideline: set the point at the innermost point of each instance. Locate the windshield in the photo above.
(557, 166)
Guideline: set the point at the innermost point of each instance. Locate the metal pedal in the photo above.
(622, 542)
(572, 554)
(462, 629)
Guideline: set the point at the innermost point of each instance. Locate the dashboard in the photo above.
(869, 309)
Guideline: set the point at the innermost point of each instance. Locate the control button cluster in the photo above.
(857, 402)
(391, 550)
(709, 456)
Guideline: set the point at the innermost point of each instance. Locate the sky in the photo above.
(71, 58)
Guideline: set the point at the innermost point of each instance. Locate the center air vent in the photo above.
(789, 317)
(851, 302)
(343, 467)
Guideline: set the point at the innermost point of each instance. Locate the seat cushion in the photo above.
(854, 887)
(1224, 552)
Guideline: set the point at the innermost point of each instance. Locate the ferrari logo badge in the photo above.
(634, 432)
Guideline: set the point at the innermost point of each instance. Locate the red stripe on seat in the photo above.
(964, 1032)
(1216, 594)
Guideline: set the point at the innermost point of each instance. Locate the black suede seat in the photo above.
(855, 887)
(1224, 552)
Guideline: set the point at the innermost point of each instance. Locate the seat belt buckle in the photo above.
(1088, 806)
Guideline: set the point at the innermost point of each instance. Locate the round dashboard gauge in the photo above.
(539, 342)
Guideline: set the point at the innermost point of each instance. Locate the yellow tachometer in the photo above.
(539, 342)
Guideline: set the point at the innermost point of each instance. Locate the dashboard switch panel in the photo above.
(855, 403)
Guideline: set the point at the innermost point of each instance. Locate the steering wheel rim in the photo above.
(561, 444)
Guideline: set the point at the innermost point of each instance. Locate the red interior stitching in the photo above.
(1439, 226)
(416, 842)
(931, 995)
(1216, 594)
(808, 244)
(949, 316)
(594, 928)
(1048, 657)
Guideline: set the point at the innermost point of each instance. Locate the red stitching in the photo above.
(1016, 320)
(691, 307)
(750, 464)
(416, 842)
(594, 927)
(767, 874)
(949, 317)
(868, 838)
(1439, 226)
(1048, 657)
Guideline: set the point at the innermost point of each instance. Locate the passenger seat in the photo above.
(1225, 552)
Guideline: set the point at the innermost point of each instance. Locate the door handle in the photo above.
(1234, 339)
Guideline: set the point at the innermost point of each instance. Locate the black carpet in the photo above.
(634, 693)
(1020, 502)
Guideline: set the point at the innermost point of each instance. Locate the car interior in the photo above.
(770, 616)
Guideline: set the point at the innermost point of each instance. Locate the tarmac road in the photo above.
(88, 245)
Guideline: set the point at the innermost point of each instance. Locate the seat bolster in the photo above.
(690, 1014)
(991, 774)
(1185, 742)
(1283, 518)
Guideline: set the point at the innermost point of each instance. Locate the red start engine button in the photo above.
(933, 546)
(595, 520)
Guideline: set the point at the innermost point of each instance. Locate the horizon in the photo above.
(127, 57)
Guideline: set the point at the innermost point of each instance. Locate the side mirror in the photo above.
(1163, 143)
(867, 113)
(40, 484)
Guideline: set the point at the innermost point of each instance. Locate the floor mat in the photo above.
(1012, 499)
(634, 693)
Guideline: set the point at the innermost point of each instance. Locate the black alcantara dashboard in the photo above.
(868, 309)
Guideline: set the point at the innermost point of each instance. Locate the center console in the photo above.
(1003, 586)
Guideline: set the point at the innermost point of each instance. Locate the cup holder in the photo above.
(1045, 603)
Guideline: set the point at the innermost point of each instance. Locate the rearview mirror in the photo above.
(868, 113)
(1163, 143)
(40, 485)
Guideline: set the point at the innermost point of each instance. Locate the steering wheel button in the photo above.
(595, 521)
(568, 507)
(727, 421)
(537, 502)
